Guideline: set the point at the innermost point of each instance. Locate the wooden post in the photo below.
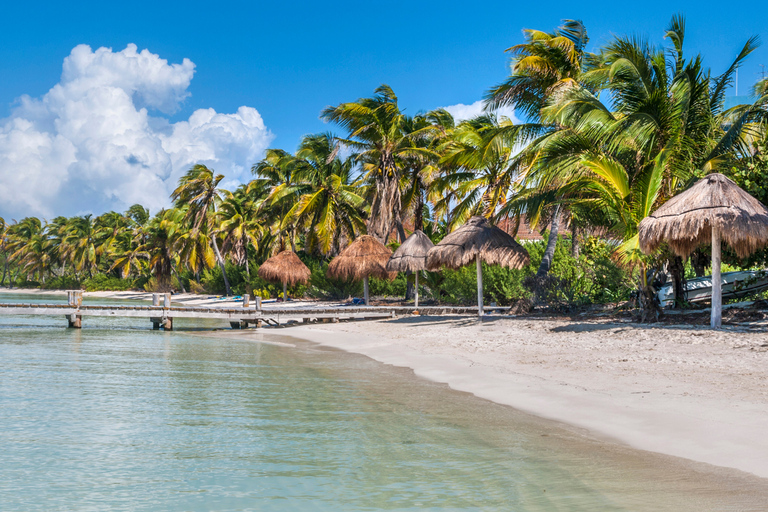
(479, 286)
(258, 303)
(716, 317)
(285, 291)
(75, 321)
(365, 289)
(416, 292)
(246, 301)
(155, 299)
(166, 300)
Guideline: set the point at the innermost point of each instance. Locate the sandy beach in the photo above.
(686, 392)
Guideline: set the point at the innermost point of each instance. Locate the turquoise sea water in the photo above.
(119, 417)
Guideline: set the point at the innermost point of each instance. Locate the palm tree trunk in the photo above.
(181, 282)
(5, 271)
(549, 253)
(220, 260)
(575, 248)
(385, 208)
(677, 269)
(247, 267)
(418, 214)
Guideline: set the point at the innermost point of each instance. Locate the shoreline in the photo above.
(688, 408)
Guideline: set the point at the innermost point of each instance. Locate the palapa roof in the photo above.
(365, 257)
(411, 256)
(685, 221)
(477, 238)
(284, 267)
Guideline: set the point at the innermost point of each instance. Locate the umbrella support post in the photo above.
(479, 287)
(285, 292)
(416, 290)
(717, 292)
(365, 289)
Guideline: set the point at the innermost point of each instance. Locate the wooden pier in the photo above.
(161, 313)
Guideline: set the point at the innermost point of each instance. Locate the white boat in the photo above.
(735, 284)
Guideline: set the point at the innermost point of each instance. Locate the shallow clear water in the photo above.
(119, 417)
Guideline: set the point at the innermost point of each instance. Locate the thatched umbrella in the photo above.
(285, 268)
(714, 209)
(363, 258)
(477, 241)
(411, 256)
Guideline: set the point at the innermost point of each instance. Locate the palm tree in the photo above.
(662, 106)
(4, 248)
(198, 191)
(543, 67)
(331, 209)
(239, 225)
(29, 248)
(480, 152)
(427, 131)
(160, 234)
(378, 134)
(275, 190)
(78, 245)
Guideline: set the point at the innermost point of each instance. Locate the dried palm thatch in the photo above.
(365, 257)
(284, 268)
(477, 238)
(412, 255)
(685, 222)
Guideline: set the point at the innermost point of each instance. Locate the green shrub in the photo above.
(104, 282)
(62, 283)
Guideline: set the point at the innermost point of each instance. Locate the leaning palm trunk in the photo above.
(220, 260)
(549, 253)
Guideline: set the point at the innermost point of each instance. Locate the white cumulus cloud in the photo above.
(460, 111)
(99, 139)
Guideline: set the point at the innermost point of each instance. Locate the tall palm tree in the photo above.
(543, 67)
(198, 191)
(378, 134)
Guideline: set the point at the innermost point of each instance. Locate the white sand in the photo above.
(691, 393)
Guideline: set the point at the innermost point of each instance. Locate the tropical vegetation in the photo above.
(607, 135)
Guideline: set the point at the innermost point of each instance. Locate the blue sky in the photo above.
(288, 60)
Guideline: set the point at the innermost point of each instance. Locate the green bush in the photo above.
(386, 288)
(592, 277)
(62, 283)
(103, 282)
